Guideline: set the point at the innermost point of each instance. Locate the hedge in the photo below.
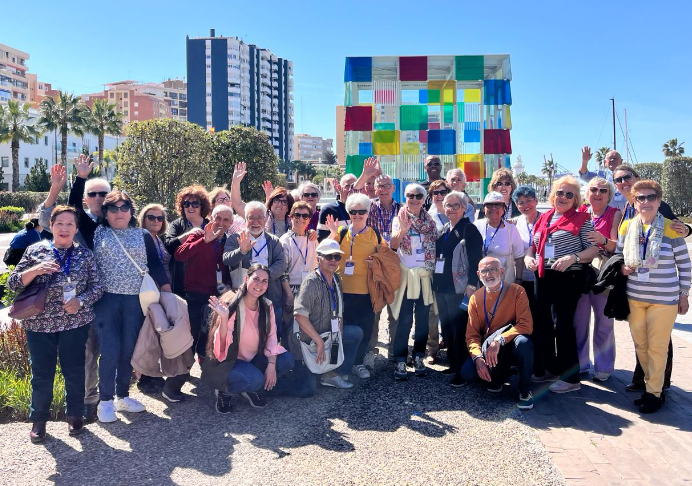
(27, 200)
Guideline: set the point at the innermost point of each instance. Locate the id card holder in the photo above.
(420, 255)
(69, 292)
(387, 237)
(643, 275)
(464, 304)
(304, 274)
(549, 251)
(219, 277)
(335, 325)
(350, 266)
(440, 265)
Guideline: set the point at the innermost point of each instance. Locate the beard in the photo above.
(490, 282)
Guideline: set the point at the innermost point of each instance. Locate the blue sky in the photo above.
(568, 59)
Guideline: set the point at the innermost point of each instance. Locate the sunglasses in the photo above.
(443, 192)
(97, 193)
(304, 216)
(114, 209)
(336, 257)
(414, 196)
(500, 184)
(453, 206)
(594, 190)
(160, 219)
(310, 194)
(194, 204)
(568, 195)
(648, 197)
(434, 164)
(359, 212)
(621, 179)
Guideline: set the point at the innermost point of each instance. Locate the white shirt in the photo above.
(294, 247)
(440, 218)
(498, 243)
(415, 259)
(526, 231)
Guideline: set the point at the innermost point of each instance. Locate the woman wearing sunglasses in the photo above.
(311, 194)
(605, 219)
(193, 206)
(560, 246)
(413, 237)
(502, 181)
(437, 191)
(657, 265)
(118, 313)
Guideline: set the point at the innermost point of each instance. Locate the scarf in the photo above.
(424, 225)
(634, 242)
(571, 221)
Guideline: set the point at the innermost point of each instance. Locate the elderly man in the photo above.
(457, 181)
(338, 208)
(433, 168)
(498, 332)
(255, 245)
(611, 161)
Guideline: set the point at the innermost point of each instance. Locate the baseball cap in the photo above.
(494, 198)
(328, 247)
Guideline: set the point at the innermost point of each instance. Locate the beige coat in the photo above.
(383, 277)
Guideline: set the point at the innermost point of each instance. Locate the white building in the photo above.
(309, 148)
(518, 167)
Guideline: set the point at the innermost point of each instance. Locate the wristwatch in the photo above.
(685, 292)
(500, 339)
(576, 258)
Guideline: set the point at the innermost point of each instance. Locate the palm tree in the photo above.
(103, 120)
(66, 114)
(672, 149)
(549, 169)
(601, 154)
(16, 126)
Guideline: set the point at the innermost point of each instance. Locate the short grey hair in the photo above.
(451, 172)
(383, 177)
(358, 199)
(600, 180)
(253, 206)
(96, 180)
(341, 181)
(455, 194)
(413, 187)
(221, 208)
(305, 184)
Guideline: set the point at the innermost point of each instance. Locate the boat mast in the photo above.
(614, 140)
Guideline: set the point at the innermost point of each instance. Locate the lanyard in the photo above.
(217, 245)
(387, 227)
(305, 257)
(485, 309)
(487, 245)
(257, 252)
(440, 218)
(66, 260)
(332, 290)
(629, 212)
(645, 239)
(353, 237)
(274, 223)
(530, 228)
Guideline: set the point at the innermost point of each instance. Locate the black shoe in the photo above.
(635, 387)
(458, 382)
(148, 385)
(171, 389)
(449, 371)
(443, 344)
(90, 410)
(255, 400)
(75, 425)
(651, 403)
(223, 402)
(38, 433)
(640, 400)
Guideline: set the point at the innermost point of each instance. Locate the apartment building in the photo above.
(307, 147)
(340, 135)
(14, 84)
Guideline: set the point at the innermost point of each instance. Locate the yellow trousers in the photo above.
(651, 326)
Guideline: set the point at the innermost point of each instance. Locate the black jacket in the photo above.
(610, 277)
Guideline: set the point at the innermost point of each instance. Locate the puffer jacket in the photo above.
(164, 344)
(383, 277)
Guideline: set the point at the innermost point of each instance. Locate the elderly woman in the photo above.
(193, 207)
(413, 237)
(525, 199)
(455, 279)
(561, 244)
(437, 191)
(501, 239)
(605, 219)
(657, 264)
(72, 285)
(502, 181)
(311, 194)
(122, 251)
(359, 242)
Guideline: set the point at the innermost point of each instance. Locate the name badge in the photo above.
(643, 275)
(335, 324)
(440, 265)
(387, 237)
(420, 255)
(69, 292)
(549, 250)
(219, 277)
(304, 274)
(464, 304)
(350, 266)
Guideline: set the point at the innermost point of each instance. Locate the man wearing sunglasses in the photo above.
(612, 160)
(433, 168)
(338, 208)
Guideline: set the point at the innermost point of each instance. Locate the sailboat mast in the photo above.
(614, 140)
(627, 139)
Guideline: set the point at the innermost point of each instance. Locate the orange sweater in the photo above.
(514, 307)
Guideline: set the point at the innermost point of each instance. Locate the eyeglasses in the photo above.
(336, 257)
(151, 217)
(280, 202)
(255, 218)
(414, 196)
(487, 271)
(383, 186)
(310, 194)
(97, 193)
(621, 179)
(222, 199)
(194, 204)
(500, 184)
(359, 212)
(304, 216)
(114, 209)
(568, 195)
(602, 190)
(649, 197)
(442, 192)
(453, 206)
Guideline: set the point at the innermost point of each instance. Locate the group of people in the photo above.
(276, 297)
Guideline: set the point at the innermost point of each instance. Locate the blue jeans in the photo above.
(249, 377)
(43, 350)
(358, 312)
(420, 337)
(518, 352)
(118, 321)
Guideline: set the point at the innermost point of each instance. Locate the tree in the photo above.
(549, 169)
(38, 179)
(330, 157)
(287, 166)
(332, 173)
(523, 178)
(650, 170)
(672, 149)
(305, 168)
(16, 126)
(161, 156)
(244, 144)
(601, 154)
(66, 114)
(677, 172)
(109, 159)
(103, 120)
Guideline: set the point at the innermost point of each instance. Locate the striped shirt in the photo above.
(565, 242)
(670, 276)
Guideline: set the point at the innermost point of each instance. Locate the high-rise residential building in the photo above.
(39, 89)
(14, 84)
(230, 83)
(309, 148)
(175, 95)
(340, 135)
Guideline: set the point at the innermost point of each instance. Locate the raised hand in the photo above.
(239, 172)
(404, 220)
(219, 307)
(58, 176)
(268, 188)
(585, 154)
(331, 224)
(83, 166)
(210, 231)
(371, 168)
(244, 241)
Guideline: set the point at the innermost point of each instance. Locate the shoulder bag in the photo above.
(148, 291)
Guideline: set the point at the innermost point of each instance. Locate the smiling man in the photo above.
(610, 162)
(433, 168)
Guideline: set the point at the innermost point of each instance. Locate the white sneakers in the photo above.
(107, 408)
(336, 381)
(563, 387)
(601, 376)
(360, 371)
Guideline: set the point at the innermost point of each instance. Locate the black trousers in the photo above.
(454, 321)
(196, 304)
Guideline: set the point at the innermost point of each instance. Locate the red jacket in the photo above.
(202, 259)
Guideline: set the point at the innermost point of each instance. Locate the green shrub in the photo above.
(27, 200)
(8, 295)
(11, 219)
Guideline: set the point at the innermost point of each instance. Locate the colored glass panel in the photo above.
(433, 96)
(413, 68)
(358, 69)
(385, 142)
(496, 142)
(354, 164)
(448, 113)
(471, 136)
(365, 149)
(468, 68)
(442, 142)
(358, 118)
(410, 148)
(473, 170)
(413, 117)
(423, 136)
(472, 95)
(385, 126)
(497, 92)
(434, 126)
(460, 111)
(423, 96)
(461, 158)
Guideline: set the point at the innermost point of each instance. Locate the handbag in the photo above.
(148, 290)
(30, 301)
(309, 351)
